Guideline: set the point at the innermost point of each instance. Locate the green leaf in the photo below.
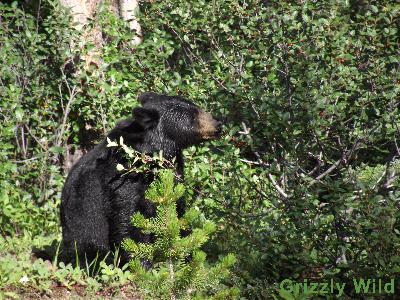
(19, 114)
(56, 150)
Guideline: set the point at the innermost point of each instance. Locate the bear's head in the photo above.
(167, 123)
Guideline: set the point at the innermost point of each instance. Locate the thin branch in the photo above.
(24, 161)
(345, 157)
(391, 180)
(35, 138)
(72, 93)
(171, 277)
(38, 16)
(24, 146)
(277, 187)
(331, 168)
(251, 162)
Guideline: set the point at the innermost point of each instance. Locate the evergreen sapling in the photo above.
(179, 269)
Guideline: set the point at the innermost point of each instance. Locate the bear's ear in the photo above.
(145, 117)
(146, 97)
(129, 129)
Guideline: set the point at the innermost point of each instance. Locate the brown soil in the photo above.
(77, 292)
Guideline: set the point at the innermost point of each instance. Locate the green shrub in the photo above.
(33, 52)
(311, 91)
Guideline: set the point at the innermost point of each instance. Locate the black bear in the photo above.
(97, 202)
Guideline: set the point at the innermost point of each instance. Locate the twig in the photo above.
(261, 193)
(391, 179)
(24, 161)
(38, 16)
(24, 146)
(16, 137)
(277, 187)
(103, 119)
(251, 162)
(331, 168)
(384, 175)
(35, 138)
(72, 93)
(171, 277)
(246, 131)
(345, 157)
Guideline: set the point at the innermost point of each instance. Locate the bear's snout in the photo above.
(209, 128)
(219, 128)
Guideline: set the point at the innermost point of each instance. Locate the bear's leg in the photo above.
(86, 240)
(84, 217)
(127, 200)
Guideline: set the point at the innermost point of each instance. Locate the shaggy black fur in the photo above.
(97, 202)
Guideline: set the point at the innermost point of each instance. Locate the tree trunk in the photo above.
(84, 10)
(128, 10)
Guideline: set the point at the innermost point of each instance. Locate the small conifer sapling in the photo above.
(179, 268)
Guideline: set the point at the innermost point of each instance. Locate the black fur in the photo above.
(97, 202)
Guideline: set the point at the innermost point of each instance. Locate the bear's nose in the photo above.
(219, 127)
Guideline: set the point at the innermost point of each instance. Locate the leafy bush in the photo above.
(310, 90)
(33, 52)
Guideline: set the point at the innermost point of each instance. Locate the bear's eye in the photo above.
(192, 122)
